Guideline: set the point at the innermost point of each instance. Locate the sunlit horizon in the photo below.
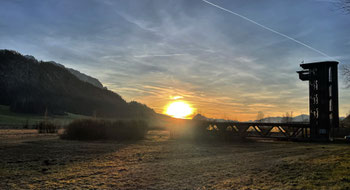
(179, 109)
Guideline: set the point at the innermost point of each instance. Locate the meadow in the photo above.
(43, 161)
(9, 119)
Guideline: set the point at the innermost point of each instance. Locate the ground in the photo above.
(32, 161)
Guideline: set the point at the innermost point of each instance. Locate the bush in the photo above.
(47, 127)
(88, 129)
(26, 125)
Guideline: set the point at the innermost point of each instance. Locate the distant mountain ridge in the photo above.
(200, 117)
(299, 118)
(31, 86)
(81, 76)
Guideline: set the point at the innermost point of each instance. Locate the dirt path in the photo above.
(160, 163)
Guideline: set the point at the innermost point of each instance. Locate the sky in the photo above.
(156, 51)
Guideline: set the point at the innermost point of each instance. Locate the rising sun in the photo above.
(179, 109)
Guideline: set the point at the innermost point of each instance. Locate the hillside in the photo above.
(31, 86)
(86, 78)
(79, 75)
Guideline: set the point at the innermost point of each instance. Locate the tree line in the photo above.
(32, 86)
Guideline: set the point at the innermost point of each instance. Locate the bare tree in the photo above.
(345, 69)
(341, 5)
(260, 116)
(288, 118)
(345, 5)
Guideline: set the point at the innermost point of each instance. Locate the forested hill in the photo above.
(32, 86)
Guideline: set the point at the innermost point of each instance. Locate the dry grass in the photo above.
(159, 163)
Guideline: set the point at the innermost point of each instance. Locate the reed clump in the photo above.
(90, 129)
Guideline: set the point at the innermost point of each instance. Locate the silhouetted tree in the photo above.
(260, 116)
(345, 69)
(287, 118)
(345, 5)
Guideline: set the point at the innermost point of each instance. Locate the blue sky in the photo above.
(153, 50)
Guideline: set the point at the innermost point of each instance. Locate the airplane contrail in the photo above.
(269, 29)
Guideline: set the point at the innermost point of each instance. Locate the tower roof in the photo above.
(315, 64)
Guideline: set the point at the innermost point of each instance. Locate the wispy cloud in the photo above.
(152, 51)
(159, 55)
(270, 29)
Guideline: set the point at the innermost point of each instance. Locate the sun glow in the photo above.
(179, 109)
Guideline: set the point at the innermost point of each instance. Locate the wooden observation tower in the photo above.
(323, 98)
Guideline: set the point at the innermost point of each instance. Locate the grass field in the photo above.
(10, 119)
(46, 162)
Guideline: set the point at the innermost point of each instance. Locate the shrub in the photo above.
(47, 127)
(26, 125)
(88, 129)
